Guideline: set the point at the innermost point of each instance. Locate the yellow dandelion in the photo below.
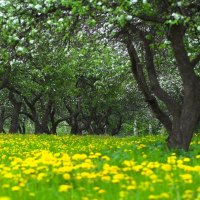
(186, 159)
(66, 176)
(4, 198)
(15, 188)
(101, 191)
(105, 158)
(64, 188)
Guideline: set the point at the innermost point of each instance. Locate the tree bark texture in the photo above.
(14, 126)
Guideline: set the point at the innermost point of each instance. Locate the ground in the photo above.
(96, 167)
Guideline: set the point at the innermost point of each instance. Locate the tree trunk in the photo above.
(118, 127)
(41, 128)
(54, 128)
(23, 126)
(38, 129)
(76, 130)
(2, 119)
(179, 118)
(185, 125)
(14, 126)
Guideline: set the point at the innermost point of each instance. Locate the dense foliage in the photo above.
(70, 63)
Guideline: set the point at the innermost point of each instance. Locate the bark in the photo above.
(46, 116)
(116, 130)
(14, 126)
(22, 127)
(74, 117)
(2, 119)
(40, 123)
(74, 122)
(54, 122)
(184, 116)
(185, 124)
(75, 129)
(137, 70)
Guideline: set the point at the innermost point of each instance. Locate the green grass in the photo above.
(96, 167)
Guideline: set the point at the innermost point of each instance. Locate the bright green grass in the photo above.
(96, 167)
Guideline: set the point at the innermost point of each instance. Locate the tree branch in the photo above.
(171, 104)
(176, 34)
(138, 73)
(28, 115)
(151, 18)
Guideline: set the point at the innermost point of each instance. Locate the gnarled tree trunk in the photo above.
(180, 118)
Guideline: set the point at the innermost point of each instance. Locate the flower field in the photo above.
(96, 167)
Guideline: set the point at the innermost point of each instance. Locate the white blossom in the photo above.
(15, 21)
(31, 41)
(133, 1)
(177, 16)
(61, 20)
(30, 5)
(179, 3)
(49, 22)
(3, 2)
(110, 25)
(99, 3)
(38, 7)
(20, 49)
(129, 17)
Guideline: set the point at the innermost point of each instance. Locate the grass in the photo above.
(96, 167)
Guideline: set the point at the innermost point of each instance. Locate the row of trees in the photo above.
(88, 87)
(76, 53)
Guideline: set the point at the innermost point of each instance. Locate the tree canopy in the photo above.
(71, 61)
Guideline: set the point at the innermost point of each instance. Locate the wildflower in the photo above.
(96, 188)
(171, 160)
(166, 167)
(15, 188)
(5, 186)
(164, 195)
(187, 178)
(101, 191)
(186, 159)
(79, 157)
(40, 176)
(131, 187)
(66, 176)
(122, 194)
(8, 175)
(105, 158)
(188, 194)
(85, 198)
(4, 198)
(105, 178)
(64, 188)
(160, 196)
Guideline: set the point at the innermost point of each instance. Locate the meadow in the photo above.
(96, 168)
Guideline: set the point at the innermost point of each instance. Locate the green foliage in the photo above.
(70, 50)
